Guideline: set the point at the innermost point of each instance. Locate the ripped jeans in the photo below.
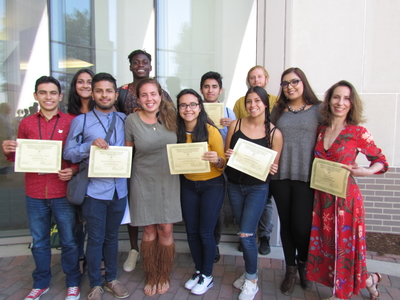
(248, 202)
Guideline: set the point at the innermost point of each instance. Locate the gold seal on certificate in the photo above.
(329, 177)
(185, 158)
(114, 162)
(215, 112)
(38, 156)
(252, 159)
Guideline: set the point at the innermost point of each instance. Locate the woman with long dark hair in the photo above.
(79, 102)
(337, 249)
(80, 93)
(296, 115)
(248, 195)
(202, 194)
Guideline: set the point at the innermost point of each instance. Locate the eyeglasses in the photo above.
(192, 105)
(293, 83)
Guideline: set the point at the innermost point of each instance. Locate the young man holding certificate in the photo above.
(45, 192)
(211, 89)
(105, 201)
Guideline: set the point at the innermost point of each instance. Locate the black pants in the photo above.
(294, 200)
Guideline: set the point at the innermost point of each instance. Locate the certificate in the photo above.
(114, 162)
(215, 112)
(329, 177)
(38, 156)
(186, 158)
(252, 159)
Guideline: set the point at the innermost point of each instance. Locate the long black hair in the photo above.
(200, 132)
(309, 96)
(262, 93)
(74, 101)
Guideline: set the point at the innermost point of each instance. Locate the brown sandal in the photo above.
(373, 290)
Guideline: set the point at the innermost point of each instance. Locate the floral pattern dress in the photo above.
(337, 249)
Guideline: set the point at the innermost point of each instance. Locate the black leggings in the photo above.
(294, 200)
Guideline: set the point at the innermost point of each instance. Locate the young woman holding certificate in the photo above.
(202, 194)
(248, 195)
(337, 249)
(154, 192)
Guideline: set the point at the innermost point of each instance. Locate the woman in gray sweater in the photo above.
(296, 116)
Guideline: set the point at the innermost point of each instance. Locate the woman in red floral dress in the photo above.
(337, 249)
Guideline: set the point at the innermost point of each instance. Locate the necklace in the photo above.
(295, 111)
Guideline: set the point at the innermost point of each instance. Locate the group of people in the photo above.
(323, 236)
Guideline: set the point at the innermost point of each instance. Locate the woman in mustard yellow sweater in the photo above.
(202, 194)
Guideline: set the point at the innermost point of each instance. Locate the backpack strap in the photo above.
(122, 93)
(83, 129)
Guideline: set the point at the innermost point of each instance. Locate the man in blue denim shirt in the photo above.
(105, 201)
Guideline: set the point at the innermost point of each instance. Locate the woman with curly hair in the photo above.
(337, 249)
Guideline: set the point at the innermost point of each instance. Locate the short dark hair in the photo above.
(104, 77)
(136, 52)
(211, 75)
(47, 79)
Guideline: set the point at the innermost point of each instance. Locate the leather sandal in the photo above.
(373, 290)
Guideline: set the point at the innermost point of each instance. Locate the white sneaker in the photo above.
(249, 290)
(130, 263)
(203, 285)
(239, 282)
(193, 281)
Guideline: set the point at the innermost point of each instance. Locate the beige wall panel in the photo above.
(382, 44)
(326, 41)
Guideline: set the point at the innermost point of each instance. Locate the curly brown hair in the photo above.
(355, 115)
(167, 111)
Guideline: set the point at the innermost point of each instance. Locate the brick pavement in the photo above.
(16, 280)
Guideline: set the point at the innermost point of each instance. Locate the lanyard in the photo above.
(54, 129)
(109, 133)
(105, 130)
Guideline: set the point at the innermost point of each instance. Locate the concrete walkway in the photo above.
(16, 266)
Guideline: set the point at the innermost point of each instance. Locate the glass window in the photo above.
(71, 46)
(23, 56)
(208, 36)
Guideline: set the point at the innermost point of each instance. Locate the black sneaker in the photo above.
(217, 255)
(264, 248)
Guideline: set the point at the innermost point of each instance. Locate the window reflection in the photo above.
(72, 46)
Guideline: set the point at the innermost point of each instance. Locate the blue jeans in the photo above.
(248, 202)
(103, 218)
(201, 203)
(39, 215)
(266, 224)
